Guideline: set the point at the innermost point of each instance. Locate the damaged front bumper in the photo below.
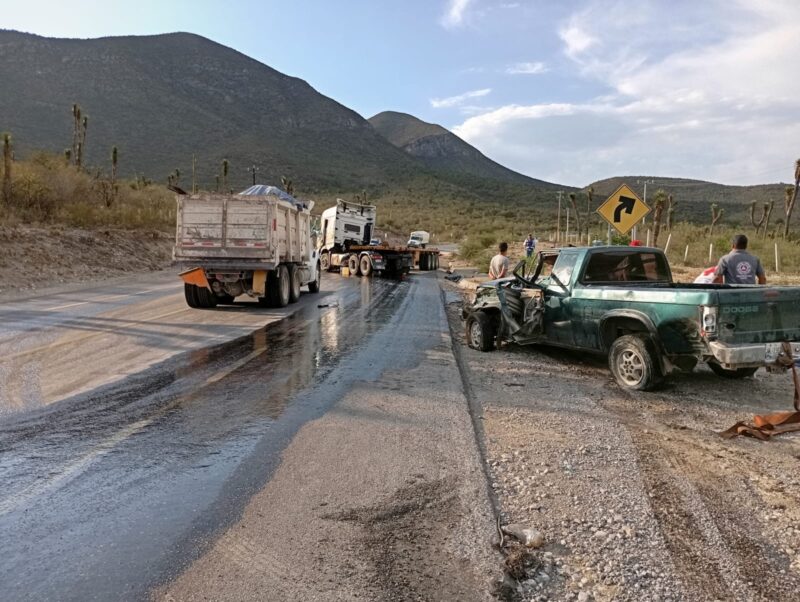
(750, 355)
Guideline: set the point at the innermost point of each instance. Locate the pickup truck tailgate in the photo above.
(759, 315)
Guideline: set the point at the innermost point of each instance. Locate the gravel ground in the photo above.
(636, 495)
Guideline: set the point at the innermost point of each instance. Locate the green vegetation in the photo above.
(46, 190)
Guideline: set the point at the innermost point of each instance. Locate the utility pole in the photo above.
(253, 169)
(558, 221)
(644, 198)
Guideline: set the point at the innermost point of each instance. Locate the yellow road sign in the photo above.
(623, 209)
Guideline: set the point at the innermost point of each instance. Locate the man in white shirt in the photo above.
(498, 266)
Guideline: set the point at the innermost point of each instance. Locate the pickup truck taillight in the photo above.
(709, 325)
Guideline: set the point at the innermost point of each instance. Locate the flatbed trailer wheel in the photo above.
(352, 264)
(365, 265)
(423, 262)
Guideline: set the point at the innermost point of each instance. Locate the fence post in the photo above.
(648, 237)
(710, 251)
(666, 246)
(686, 254)
(777, 260)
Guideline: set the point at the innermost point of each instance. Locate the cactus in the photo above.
(225, 174)
(791, 198)
(114, 163)
(767, 212)
(670, 211)
(572, 200)
(660, 199)
(716, 215)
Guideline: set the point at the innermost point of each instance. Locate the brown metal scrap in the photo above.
(766, 426)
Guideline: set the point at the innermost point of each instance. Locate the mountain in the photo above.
(163, 98)
(694, 197)
(443, 151)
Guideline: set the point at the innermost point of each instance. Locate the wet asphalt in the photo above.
(110, 492)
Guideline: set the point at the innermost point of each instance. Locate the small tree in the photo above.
(791, 198)
(76, 128)
(224, 174)
(589, 203)
(67, 155)
(216, 178)
(287, 185)
(716, 215)
(82, 141)
(8, 153)
(177, 177)
(659, 201)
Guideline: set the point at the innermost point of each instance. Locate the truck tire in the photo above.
(365, 265)
(325, 261)
(352, 264)
(294, 284)
(204, 298)
(423, 262)
(735, 373)
(313, 286)
(190, 293)
(634, 364)
(278, 287)
(481, 331)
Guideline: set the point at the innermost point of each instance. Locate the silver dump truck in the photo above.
(256, 243)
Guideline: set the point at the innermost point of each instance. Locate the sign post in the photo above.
(623, 209)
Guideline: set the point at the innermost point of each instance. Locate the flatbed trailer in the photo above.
(366, 260)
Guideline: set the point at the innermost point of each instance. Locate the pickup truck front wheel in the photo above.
(633, 362)
(735, 373)
(481, 331)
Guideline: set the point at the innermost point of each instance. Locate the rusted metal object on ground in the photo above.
(766, 426)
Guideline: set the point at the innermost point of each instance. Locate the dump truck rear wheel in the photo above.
(204, 298)
(735, 373)
(278, 286)
(481, 331)
(365, 265)
(313, 286)
(633, 362)
(325, 261)
(189, 291)
(294, 284)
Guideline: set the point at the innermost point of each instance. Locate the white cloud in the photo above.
(455, 13)
(713, 96)
(532, 68)
(454, 101)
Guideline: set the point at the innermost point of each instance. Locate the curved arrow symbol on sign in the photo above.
(626, 203)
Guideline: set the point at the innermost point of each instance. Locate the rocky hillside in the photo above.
(443, 151)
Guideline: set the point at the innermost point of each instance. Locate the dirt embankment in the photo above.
(636, 495)
(33, 258)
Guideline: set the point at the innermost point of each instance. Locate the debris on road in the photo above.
(527, 536)
(767, 425)
(328, 305)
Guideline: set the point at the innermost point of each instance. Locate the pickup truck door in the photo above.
(558, 318)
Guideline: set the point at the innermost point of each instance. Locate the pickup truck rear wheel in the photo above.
(633, 362)
(735, 373)
(481, 331)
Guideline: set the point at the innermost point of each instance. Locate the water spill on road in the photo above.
(109, 487)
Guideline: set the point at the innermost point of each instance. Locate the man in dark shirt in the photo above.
(738, 266)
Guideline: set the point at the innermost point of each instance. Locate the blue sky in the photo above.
(568, 91)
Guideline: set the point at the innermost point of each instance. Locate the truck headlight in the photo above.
(709, 320)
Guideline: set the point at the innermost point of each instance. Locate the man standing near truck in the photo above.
(739, 266)
(530, 245)
(498, 266)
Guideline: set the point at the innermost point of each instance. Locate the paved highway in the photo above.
(142, 444)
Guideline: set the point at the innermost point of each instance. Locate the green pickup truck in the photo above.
(623, 303)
